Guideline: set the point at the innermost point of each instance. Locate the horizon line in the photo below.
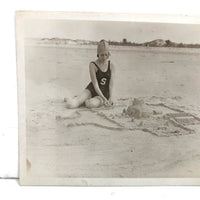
(50, 38)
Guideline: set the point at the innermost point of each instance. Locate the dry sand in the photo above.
(106, 142)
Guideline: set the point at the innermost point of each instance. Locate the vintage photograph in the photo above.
(107, 100)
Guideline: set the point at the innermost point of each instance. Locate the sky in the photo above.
(112, 30)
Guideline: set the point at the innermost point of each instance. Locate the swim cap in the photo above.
(102, 46)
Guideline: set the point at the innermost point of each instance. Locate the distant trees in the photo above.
(168, 43)
(181, 45)
(124, 42)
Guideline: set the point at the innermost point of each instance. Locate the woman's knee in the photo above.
(93, 103)
(73, 103)
(78, 100)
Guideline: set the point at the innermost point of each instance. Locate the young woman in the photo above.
(100, 90)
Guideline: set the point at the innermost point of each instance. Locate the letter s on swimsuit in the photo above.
(103, 81)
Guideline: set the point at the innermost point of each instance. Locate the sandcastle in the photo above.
(138, 109)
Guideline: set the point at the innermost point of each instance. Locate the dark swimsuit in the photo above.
(103, 79)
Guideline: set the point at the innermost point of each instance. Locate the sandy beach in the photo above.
(105, 142)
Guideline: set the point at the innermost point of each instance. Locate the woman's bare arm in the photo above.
(111, 85)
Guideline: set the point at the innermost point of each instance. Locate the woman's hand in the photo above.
(108, 103)
(111, 101)
(105, 101)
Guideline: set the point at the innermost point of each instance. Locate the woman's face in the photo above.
(103, 56)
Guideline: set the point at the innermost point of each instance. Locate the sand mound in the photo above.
(138, 110)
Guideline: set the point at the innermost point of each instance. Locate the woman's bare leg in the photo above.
(79, 100)
(94, 102)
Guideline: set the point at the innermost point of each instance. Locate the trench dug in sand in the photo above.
(158, 119)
